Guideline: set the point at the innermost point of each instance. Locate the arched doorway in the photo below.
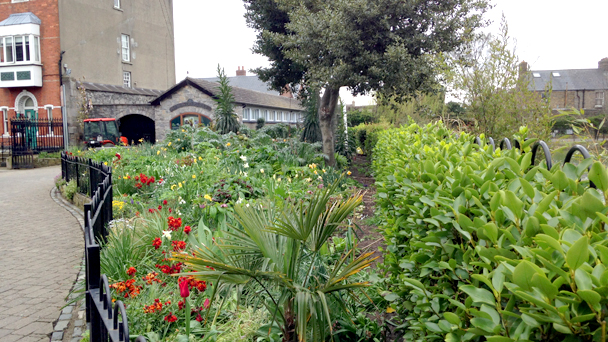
(135, 127)
(26, 105)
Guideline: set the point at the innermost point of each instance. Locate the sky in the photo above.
(548, 34)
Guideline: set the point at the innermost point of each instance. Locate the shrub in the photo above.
(70, 189)
(366, 136)
(481, 245)
(260, 123)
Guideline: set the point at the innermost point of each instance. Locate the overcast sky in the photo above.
(549, 34)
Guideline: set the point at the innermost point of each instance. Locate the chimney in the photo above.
(524, 68)
(241, 71)
(603, 64)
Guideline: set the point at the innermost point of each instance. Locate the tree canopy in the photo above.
(382, 45)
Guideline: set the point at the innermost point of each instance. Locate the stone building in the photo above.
(48, 46)
(573, 88)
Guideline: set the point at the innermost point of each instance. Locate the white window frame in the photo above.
(246, 112)
(255, 114)
(126, 79)
(49, 116)
(273, 115)
(33, 47)
(125, 46)
(4, 121)
(599, 99)
(117, 4)
(15, 1)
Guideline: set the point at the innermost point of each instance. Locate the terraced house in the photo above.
(48, 46)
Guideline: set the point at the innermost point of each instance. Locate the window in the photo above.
(126, 49)
(117, 4)
(283, 116)
(246, 114)
(126, 79)
(555, 74)
(49, 116)
(536, 74)
(193, 119)
(5, 120)
(273, 114)
(256, 114)
(14, 49)
(599, 98)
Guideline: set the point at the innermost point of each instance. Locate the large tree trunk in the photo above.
(327, 109)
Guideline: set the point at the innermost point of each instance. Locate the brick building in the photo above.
(573, 88)
(48, 46)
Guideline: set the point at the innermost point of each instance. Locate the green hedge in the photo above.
(482, 246)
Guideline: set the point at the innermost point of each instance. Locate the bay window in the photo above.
(16, 49)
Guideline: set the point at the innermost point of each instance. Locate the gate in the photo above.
(31, 136)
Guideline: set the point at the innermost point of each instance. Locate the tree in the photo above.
(365, 45)
(495, 88)
(226, 119)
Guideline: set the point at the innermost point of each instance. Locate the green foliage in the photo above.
(366, 136)
(421, 107)
(70, 189)
(496, 92)
(312, 131)
(483, 246)
(279, 256)
(226, 118)
(260, 123)
(361, 116)
(357, 45)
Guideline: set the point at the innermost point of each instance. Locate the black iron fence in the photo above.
(539, 146)
(108, 321)
(32, 136)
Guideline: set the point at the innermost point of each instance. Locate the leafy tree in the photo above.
(495, 91)
(420, 107)
(365, 45)
(361, 116)
(226, 119)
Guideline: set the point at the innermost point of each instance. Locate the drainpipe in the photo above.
(64, 114)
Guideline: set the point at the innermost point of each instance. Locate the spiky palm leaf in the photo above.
(280, 252)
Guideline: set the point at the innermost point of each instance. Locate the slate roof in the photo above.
(117, 89)
(247, 82)
(21, 18)
(572, 79)
(241, 96)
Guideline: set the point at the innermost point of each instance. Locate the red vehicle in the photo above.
(102, 132)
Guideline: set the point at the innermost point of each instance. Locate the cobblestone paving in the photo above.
(41, 248)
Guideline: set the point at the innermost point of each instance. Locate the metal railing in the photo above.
(108, 321)
(32, 136)
(536, 147)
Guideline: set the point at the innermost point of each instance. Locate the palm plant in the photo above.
(281, 255)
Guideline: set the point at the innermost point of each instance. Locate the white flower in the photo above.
(167, 234)
(245, 174)
(262, 170)
(239, 200)
(247, 205)
(182, 202)
(245, 165)
(243, 158)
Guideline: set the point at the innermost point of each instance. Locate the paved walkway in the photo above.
(41, 248)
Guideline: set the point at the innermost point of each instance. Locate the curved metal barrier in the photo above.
(539, 144)
(102, 316)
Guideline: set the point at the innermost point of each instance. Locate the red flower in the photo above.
(165, 202)
(187, 229)
(157, 242)
(117, 155)
(173, 222)
(138, 185)
(181, 304)
(184, 290)
(178, 245)
(170, 318)
(160, 207)
(131, 271)
(199, 318)
(206, 303)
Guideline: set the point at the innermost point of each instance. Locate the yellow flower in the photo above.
(180, 184)
(315, 172)
(262, 170)
(228, 144)
(141, 140)
(78, 151)
(207, 197)
(279, 179)
(349, 173)
(193, 176)
(105, 163)
(173, 187)
(124, 177)
(323, 170)
(169, 144)
(183, 130)
(158, 152)
(179, 139)
(200, 158)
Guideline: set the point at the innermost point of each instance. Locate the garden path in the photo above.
(41, 248)
(370, 236)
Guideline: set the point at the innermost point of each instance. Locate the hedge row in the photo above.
(482, 246)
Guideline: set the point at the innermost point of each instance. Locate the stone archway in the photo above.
(135, 127)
